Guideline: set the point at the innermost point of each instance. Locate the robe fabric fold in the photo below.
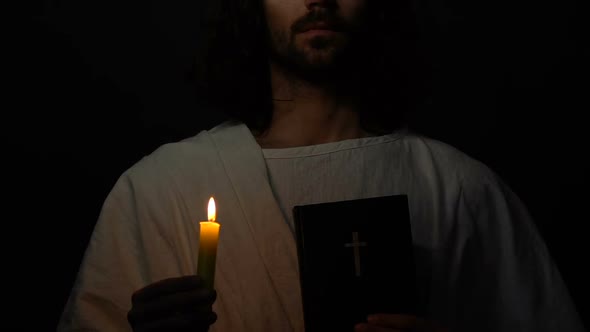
(480, 261)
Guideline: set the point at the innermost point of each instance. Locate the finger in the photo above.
(180, 322)
(166, 286)
(364, 327)
(192, 301)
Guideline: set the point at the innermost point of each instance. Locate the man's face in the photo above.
(314, 35)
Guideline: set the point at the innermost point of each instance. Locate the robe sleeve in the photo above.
(116, 264)
(508, 279)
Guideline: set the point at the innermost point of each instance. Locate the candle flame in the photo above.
(211, 210)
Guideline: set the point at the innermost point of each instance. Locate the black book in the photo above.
(355, 258)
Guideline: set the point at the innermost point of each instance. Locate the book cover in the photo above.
(355, 258)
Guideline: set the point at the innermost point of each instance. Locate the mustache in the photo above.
(333, 21)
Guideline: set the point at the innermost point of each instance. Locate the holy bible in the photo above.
(355, 258)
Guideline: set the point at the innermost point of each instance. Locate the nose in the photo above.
(310, 4)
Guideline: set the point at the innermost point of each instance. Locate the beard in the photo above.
(321, 59)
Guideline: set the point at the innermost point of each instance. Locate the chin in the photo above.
(321, 71)
(318, 61)
(325, 56)
(318, 57)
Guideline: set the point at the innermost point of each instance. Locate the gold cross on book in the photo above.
(355, 245)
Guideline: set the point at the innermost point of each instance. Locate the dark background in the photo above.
(95, 85)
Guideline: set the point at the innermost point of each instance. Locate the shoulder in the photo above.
(172, 157)
(191, 155)
(171, 166)
(481, 190)
(472, 183)
(430, 155)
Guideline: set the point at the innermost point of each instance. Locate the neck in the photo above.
(306, 113)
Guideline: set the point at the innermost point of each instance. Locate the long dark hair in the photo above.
(232, 72)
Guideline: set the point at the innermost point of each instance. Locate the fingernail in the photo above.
(372, 319)
(359, 327)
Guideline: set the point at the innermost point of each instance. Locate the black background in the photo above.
(92, 86)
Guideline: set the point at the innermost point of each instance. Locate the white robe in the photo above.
(481, 263)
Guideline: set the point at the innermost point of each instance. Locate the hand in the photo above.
(397, 323)
(175, 304)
